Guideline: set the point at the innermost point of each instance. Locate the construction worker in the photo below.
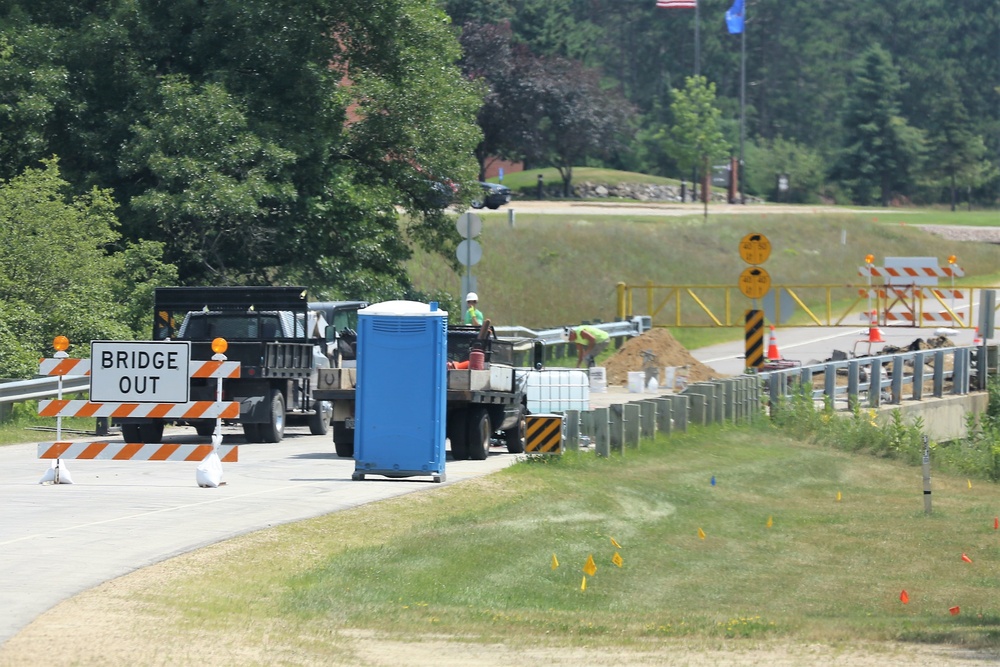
(472, 316)
(590, 342)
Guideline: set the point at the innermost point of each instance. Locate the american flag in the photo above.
(677, 4)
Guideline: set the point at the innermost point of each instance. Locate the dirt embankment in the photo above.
(664, 350)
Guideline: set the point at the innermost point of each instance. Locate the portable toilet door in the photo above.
(401, 396)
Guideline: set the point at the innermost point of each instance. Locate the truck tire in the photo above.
(514, 437)
(319, 421)
(274, 429)
(480, 431)
(151, 432)
(204, 428)
(343, 440)
(252, 432)
(458, 433)
(131, 433)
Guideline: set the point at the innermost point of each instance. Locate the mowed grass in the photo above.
(473, 562)
(552, 270)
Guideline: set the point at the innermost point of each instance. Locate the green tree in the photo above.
(308, 124)
(880, 149)
(577, 117)
(956, 153)
(215, 188)
(57, 276)
(695, 138)
(765, 159)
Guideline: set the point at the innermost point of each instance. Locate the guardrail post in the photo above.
(875, 383)
(939, 374)
(572, 424)
(853, 383)
(616, 429)
(631, 414)
(918, 376)
(602, 436)
(696, 403)
(647, 427)
(897, 379)
(663, 417)
(679, 409)
(960, 379)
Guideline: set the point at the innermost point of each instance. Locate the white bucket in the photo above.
(598, 379)
(669, 374)
(636, 379)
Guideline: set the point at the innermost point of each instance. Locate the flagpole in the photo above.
(697, 38)
(697, 71)
(743, 97)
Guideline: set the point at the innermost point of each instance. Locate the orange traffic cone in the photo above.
(874, 334)
(977, 340)
(772, 348)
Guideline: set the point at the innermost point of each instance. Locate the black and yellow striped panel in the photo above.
(754, 331)
(544, 434)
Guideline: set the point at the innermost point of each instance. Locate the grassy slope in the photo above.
(474, 560)
(551, 270)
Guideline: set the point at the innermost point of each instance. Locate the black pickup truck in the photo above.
(280, 340)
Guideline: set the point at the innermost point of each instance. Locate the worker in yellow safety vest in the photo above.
(473, 315)
(590, 342)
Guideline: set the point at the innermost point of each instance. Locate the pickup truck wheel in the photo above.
(319, 421)
(274, 429)
(205, 428)
(514, 437)
(131, 433)
(343, 440)
(480, 431)
(152, 432)
(457, 432)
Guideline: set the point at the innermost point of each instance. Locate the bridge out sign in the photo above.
(139, 372)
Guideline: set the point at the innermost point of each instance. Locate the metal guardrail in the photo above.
(886, 379)
(625, 328)
(25, 390)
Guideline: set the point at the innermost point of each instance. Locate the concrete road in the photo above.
(814, 344)
(57, 541)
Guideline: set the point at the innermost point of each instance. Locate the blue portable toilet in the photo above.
(402, 390)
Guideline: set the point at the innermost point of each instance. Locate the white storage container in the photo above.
(557, 390)
(635, 381)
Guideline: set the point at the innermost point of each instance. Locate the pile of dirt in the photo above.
(667, 352)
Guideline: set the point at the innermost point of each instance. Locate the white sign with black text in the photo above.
(133, 372)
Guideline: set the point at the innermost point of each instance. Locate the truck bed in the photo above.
(492, 385)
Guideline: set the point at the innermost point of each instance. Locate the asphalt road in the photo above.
(59, 540)
(815, 344)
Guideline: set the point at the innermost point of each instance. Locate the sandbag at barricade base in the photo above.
(50, 475)
(209, 472)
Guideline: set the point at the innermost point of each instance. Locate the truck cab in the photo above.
(279, 340)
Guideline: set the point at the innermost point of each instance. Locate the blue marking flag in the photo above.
(734, 18)
(677, 4)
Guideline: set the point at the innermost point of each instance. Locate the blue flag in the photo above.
(734, 18)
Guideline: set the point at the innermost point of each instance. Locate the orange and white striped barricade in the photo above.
(126, 451)
(61, 365)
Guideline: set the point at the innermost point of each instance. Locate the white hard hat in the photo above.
(472, 296)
